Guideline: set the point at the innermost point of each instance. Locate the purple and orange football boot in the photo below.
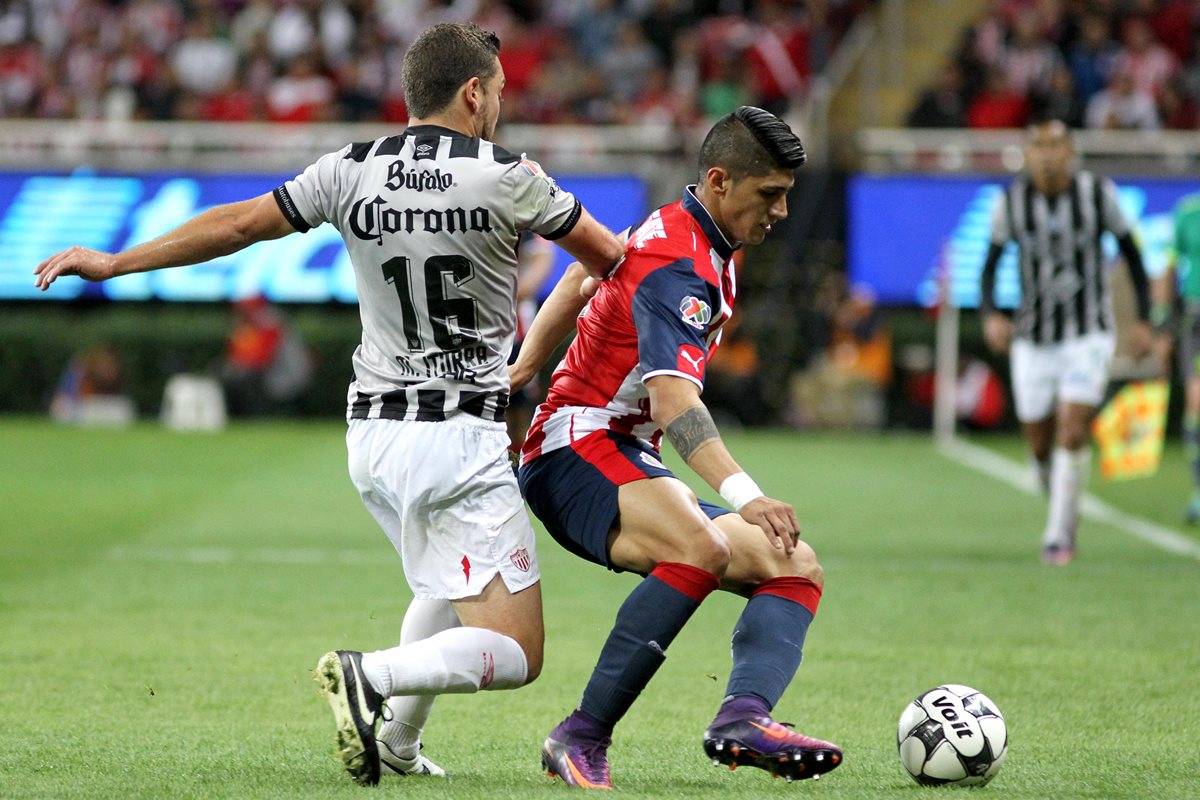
(580, 760)
(773, 746)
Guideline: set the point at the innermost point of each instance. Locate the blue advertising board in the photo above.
(41, 214)
(909, 232)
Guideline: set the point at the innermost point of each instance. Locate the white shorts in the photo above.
(445, 494)
(1072, 371)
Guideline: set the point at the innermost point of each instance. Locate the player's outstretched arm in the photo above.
(677, 408)
(554, 320)
(594, 246)
(217, 232)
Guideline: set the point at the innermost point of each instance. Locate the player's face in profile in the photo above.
(754, 203)
(488, 114)
(1048, 154)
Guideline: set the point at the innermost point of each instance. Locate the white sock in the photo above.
(1041, 473)
(457, 661)
(402, 732)
(1069, 472)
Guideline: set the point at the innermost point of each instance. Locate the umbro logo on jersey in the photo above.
(370, 219)
(695, 312)
(417, 180)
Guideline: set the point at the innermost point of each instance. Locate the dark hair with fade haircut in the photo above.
(441, 60)
(750, 141)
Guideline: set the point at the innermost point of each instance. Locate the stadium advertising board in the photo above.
(41, 214)
(907, 231)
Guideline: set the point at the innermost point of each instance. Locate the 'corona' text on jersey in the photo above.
(371, 219)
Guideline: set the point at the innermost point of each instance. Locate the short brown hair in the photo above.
(441, 60)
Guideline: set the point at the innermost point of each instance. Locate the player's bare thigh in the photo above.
(753, 559)
(661, 521)
(517, 615)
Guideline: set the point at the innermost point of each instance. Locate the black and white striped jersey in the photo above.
(431, 220)
(1064, 277)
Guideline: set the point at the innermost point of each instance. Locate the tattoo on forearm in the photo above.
(691, 430)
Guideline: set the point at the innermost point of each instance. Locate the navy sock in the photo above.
(768, 640)
(647, 623)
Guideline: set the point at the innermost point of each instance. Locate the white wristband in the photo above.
(739, 489)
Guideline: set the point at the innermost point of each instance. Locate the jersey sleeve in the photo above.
(672, 308)
(540, 204)
(1001, 220)
(1112, 217)
(311, 197)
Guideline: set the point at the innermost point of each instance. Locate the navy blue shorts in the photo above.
(573, 490)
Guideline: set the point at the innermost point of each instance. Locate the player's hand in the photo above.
(91, 265)
(589, 287)
(1141, 339)
(777, 520)
(997, 332)
(518, 377)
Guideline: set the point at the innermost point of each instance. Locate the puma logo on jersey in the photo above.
(690, 360)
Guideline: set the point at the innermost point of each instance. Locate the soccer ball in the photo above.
(952, 734)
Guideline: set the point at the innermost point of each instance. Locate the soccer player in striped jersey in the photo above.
(592, 473)
(1063, 336)
(1179, 289)
(431, 220)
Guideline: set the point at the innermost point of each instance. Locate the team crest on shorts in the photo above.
(695, 312)
(520, 559)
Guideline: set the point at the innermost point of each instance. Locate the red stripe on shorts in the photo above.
(602, 453)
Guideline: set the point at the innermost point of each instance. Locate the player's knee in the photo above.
(807, 565)
(707, 549)
(802, 564)
(716, 552)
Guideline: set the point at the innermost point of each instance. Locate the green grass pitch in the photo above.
(163, 598)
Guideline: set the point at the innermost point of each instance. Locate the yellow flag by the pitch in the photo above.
(1129, 430)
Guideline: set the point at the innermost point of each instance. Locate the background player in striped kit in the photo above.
(591, 470)
(1063, 336)
(1178, 289)
(431, 220)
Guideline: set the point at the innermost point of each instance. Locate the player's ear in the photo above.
(718, 180)
(473, 93)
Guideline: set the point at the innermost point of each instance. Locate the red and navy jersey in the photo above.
(660, 313)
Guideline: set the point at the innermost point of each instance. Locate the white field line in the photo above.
(1020, 477)
(232, 555)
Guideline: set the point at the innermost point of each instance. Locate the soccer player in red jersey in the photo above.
(591, 469)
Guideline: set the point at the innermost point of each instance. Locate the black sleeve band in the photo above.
(987, 282)
(569, 225)
(284, 200)
(1137, 274)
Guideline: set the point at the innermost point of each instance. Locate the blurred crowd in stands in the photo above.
(598, 61)
(1104, 64)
